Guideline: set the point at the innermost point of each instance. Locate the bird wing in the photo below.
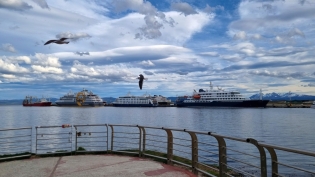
(62, 39)
(50, 41)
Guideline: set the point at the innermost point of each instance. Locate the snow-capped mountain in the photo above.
(283, 96)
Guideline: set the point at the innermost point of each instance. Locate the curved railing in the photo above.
(203, 152)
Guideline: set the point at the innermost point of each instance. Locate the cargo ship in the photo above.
(219, 98)
(34, 101)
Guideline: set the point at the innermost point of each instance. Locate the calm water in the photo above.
(290, 127)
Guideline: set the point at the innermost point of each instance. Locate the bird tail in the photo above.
(67, 42)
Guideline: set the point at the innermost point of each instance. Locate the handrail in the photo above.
(138, 137)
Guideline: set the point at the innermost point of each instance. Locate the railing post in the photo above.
(169, 146)
(263, 163)
(140, 138)
(143, 141)
(274, 160)
(107, 136)
(222, 155)
(76, 139)
(194, 152)
(112, 139)
(35, 140)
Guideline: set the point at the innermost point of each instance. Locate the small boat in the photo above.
(313, 105)
(34, 101)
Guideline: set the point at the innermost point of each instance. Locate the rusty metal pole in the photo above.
(169, 146)
(263, 162)
(222, 155)
(194, 152)
(274, 160)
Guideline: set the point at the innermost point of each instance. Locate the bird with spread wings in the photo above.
(59, 41)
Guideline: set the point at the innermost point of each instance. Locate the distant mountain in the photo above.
(284, 96)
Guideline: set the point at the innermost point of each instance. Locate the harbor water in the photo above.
(287, 127)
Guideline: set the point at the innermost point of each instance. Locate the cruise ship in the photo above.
(83, 98)
(135, 101)
(313, 105)
(162, 101)
(219, 98)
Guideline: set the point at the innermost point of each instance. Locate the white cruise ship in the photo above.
(219, 98)
(135, 101)
(83, 98)
(162, 101)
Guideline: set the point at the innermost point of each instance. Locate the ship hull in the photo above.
(245, 103)
(134, 105)
(75, 104)
(38, 104)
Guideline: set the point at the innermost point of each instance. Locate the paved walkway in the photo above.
(90, 165)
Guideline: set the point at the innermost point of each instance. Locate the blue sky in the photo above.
(179, 45)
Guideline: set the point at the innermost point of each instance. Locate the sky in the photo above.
(178, 45)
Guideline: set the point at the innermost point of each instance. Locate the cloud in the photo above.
(72, 36)
(240, 35)
(184, 8)
(209, 9)
(46, 69)
(296, 32)
(152, 26)
(17, 5)
(148, 73)
(147, 63)
(212, 54)
(42, 3)
(232, 58)
(46, 60)
(8, 67)
(17, 59)
(8, 48)
(272, 64)
(82, 53)
(284, 75)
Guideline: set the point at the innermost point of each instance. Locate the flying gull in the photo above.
(141, 78)
(60, 41)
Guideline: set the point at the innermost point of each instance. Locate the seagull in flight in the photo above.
(141, 78)
(59, 41)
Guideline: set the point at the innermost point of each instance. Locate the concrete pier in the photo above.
(91, 165)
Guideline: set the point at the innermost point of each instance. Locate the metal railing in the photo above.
(15, 143)
(203, 152)
(53, 139)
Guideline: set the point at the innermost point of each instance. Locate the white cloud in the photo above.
(18, 5)
(240, 35)
(7, 66)
(42, 3)
(46, 69)
(25, 59)
(184, 8)
(8, 76)
(46, 60)
(73, 36)
(8, 48)
(147, 63)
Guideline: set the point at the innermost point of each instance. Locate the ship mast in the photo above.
(211, 87)
(260, 94)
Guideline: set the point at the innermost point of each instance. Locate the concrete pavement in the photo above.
(90, 165)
